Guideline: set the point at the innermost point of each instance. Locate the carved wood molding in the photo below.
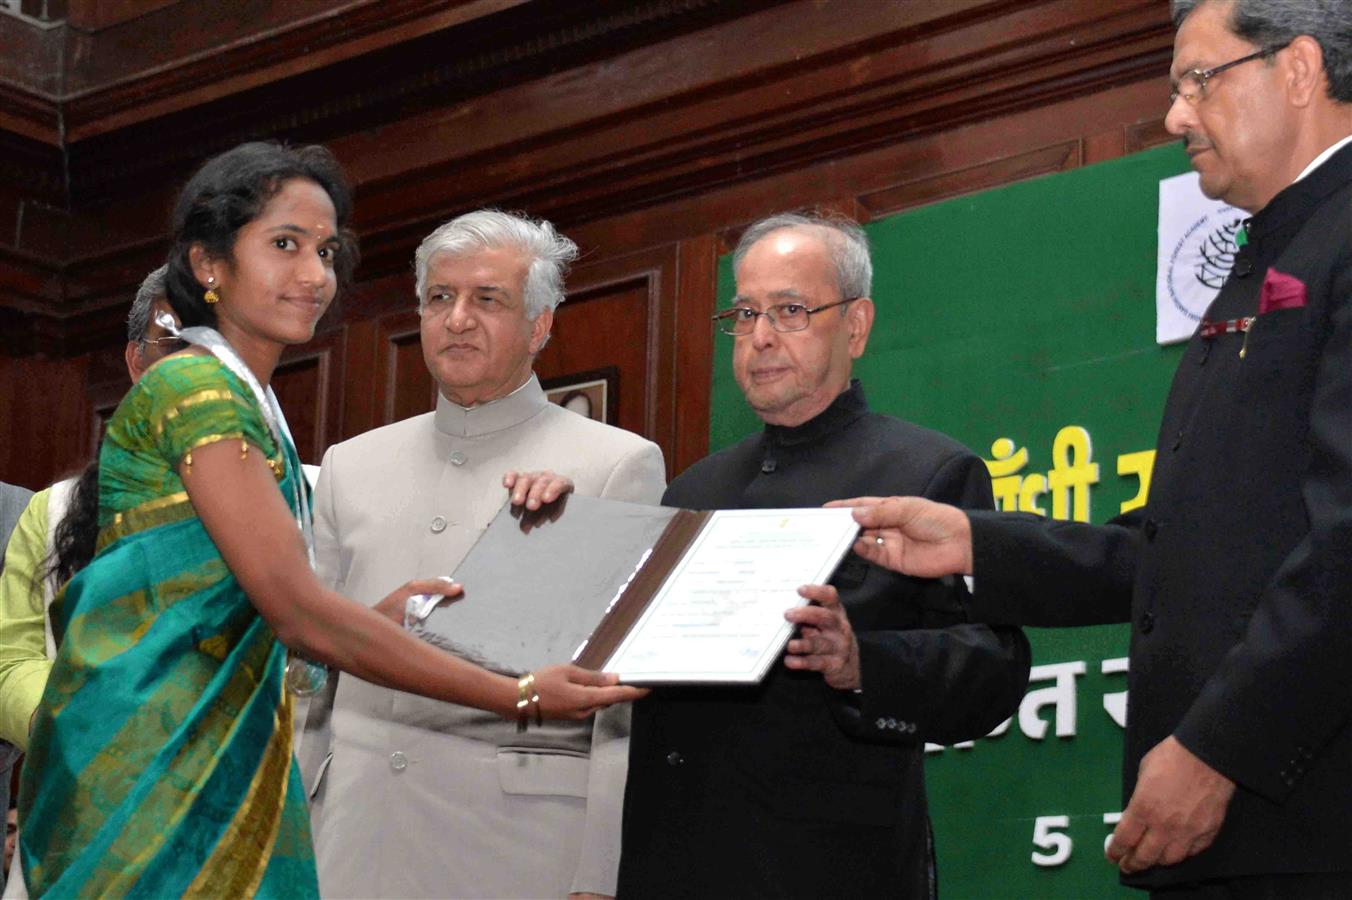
(189, 51)
(29, 114)
(926, 164)
(907, 194)
(687, 123)
(305, 72)
(662, 149)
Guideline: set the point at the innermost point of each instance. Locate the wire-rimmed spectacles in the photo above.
(784, 317)
(1192, 85)
(166, 345)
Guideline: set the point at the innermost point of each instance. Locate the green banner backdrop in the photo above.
(1021, 321)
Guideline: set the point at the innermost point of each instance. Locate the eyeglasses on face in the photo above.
(166, 345)
(1192, 85)
(784, 317)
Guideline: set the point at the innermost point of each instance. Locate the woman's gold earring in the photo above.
(211, 296)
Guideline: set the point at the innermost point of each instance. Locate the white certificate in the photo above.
(719, 616)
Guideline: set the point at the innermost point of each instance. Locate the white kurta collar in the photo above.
(521, 404)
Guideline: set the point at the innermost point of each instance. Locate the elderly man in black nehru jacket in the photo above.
(811, 784)
(1237, 575)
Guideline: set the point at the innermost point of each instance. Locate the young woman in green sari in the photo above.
(160, 762)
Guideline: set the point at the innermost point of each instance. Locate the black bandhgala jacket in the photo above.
(790, 788)
(1237, 575)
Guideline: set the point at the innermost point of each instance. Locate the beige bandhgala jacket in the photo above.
(417, 798)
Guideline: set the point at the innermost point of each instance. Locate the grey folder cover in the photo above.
(536, 585)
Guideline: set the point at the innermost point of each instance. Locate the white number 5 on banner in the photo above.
(1056, 846)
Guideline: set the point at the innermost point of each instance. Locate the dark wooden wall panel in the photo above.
(300, 388)
(651, 274)
(605, 327)
(654, 177)
(695, 285)
(47, 419)
(404, 386)
(309, 387)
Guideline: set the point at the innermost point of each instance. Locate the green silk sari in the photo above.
(161, 762)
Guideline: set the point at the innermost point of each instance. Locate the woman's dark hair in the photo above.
(229, 192)
(74, 539)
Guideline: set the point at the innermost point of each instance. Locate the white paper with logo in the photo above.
(719, 617)
(1197, 247)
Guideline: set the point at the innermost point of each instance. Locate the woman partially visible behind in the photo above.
(160, 761)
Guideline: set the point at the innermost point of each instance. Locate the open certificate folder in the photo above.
(681, 597)
(718, 613)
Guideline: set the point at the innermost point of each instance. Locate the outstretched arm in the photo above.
(912, 535)
(930, 672)
(243, 512)
(1013, 556)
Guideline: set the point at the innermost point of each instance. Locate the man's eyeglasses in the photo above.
(784, 317)
(1192, 86)
(166, 345)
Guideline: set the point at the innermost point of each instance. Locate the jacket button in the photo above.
(1147, 622)
(398, 761)
(438, 524)
(457, 458)
(674, 758)
(1150, 529)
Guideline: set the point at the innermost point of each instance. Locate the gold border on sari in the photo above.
(206, 395)
(167, 802)
(161, 511)
(236, 865)
(173, 507)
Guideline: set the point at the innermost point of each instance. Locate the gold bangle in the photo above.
(527, 697)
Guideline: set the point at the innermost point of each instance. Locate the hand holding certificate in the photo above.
(719, 615)
(680, 596)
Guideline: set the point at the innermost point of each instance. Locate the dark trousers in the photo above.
(1309, 886)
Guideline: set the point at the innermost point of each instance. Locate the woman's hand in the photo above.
(571, 692)
(536, 489)
(236, 497)
(393, 606)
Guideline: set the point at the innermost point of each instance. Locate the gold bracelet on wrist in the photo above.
(527, 698)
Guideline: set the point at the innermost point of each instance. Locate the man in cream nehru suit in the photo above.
(458, 803)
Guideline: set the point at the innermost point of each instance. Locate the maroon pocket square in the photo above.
(1280, 291)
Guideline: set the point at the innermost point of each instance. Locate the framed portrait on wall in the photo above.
(594, 393)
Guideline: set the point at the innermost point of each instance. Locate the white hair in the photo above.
(548, 251)
(151, 289)
(846, 244)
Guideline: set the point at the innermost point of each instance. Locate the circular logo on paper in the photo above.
(1202, 259)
